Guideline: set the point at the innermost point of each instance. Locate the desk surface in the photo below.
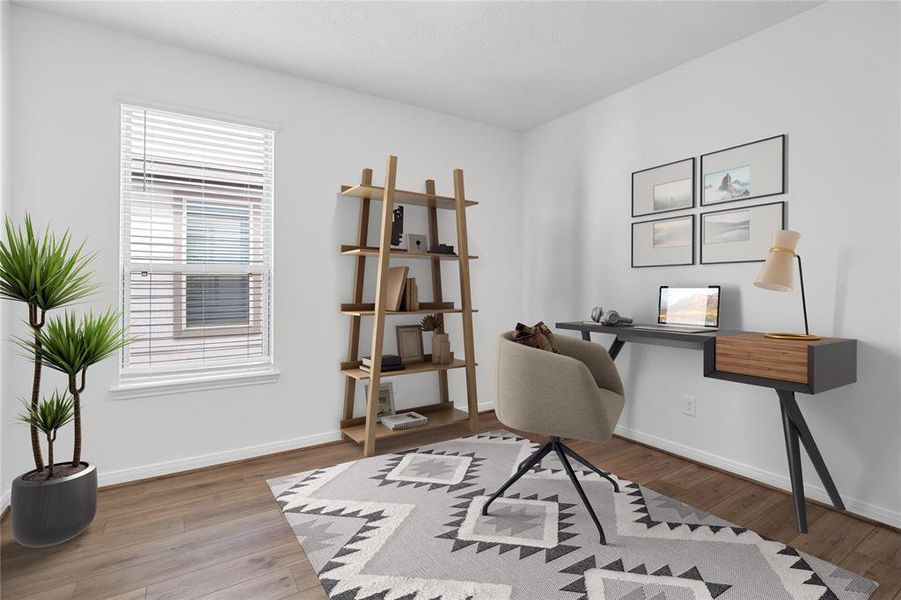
(658, 337)
(830, 362)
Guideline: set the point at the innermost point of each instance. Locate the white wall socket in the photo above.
(689, 405)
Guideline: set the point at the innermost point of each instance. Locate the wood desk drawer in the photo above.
(753, 354)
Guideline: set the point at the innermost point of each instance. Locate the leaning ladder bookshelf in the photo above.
(365, 429)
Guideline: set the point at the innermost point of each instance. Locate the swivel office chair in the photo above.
(575, 394)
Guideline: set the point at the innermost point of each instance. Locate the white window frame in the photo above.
(137, 382)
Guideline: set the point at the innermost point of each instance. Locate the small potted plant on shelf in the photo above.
(441, 353)
(54, 502)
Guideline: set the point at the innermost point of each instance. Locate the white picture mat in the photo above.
(764, 219)
(645, 255)
(765, 159)
(643, 183)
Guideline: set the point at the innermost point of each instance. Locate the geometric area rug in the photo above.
(408, 526)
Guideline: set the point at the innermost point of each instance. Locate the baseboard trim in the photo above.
(858, 507)
(111, 478)
(4, 504)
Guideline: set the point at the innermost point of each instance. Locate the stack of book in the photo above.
(411, 295)
(405, 420)
(390, 362)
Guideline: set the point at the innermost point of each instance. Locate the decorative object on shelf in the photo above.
(664, 242)
(386, 399)
(664, 188)
(397, 226)
(390, 285)
(407, 420)
(752, 170)
(390, 362)
(441, 352)
(417, 243)
(739, 234)
(396, 282)
(409, 343)
(54, 503)
(442, 249)
(778, 274)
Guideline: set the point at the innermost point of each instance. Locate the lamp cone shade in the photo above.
(778, 274)
(778, 271)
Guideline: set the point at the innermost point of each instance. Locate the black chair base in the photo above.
(562, 450)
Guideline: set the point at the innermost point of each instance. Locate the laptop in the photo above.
(687, 309)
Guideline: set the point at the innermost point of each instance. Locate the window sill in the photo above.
(194, 383)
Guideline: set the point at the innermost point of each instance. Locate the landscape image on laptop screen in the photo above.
(689, 306)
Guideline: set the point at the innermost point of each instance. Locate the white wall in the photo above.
(829, 78)
(68, 77)
(5, 186)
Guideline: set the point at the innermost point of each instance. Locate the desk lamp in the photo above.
(778, 274)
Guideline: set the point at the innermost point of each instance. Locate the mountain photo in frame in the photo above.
(664, 242)
(745, 172)
(664, 188)
(738, 235)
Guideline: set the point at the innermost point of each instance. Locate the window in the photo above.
(196, 244)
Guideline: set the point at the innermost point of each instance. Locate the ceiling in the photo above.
(513, 64)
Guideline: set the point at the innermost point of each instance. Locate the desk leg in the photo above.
(795, 428)
(615, 347)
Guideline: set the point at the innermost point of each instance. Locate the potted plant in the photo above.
(53, 503)
(441, 353)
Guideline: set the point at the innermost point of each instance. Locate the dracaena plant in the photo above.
(48, 417)
(70, 345)
(44, 272)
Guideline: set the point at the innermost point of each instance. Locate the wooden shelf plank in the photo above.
(437, 419)
(392, 313)
(374, 192)
(371, 251)
(411, 369)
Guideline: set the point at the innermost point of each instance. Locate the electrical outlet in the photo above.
(689, 405)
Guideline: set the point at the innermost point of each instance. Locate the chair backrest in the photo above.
(575, 394)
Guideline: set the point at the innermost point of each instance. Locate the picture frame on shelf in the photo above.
(664, 188)
(386, 399)
(741, 234)
(417, 243)
(666, 242)
(409, 343)
(744, 172)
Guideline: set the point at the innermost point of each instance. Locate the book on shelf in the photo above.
(411, 295)
(390, 362)
(385, 368)
(407, 420)
(397, 278)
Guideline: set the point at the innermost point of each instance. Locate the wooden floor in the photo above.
(217, 533)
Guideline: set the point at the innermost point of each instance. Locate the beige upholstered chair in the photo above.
(575, 394)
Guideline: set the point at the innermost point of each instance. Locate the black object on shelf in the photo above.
(442, 249)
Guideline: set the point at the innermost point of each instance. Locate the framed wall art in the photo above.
(744, 172)
(663, 189)
(664, 242)
(740, 234)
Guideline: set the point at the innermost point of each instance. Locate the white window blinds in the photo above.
(196, 247)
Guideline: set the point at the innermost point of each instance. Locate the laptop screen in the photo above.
(694, 306)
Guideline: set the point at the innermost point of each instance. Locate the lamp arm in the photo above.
(803, 296)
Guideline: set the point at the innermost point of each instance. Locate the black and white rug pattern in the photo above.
(408, 526)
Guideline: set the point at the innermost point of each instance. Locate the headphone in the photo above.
(611, 317)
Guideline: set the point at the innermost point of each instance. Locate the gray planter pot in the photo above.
(46, 513)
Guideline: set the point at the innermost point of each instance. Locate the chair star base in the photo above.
(562, 450)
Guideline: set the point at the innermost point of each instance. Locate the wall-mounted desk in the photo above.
(786, 366)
